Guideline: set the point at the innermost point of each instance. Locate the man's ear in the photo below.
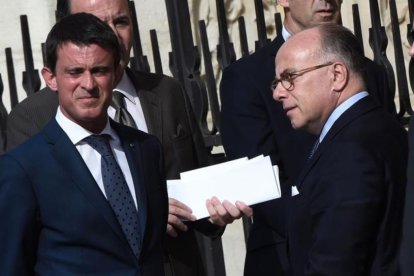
(283, 3)
(50, 78)
(340, 76)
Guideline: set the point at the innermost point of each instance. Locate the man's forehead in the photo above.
(72, 47)
(100, 7)
(303, 41)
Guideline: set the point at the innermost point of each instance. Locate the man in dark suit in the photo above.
(407, 246)
(58, 202)
(252, 123)
(346, 218)
(158, 105)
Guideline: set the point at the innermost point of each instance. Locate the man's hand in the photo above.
(177, 212)
(223, 213)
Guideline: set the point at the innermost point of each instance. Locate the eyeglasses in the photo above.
(287, 78)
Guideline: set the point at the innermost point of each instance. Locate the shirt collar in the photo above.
(126, 87)
(339, 110)
(76, 133)
(286, 35)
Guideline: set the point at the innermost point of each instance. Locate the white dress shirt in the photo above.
(91, 157)
(132, 103)
(285, 33)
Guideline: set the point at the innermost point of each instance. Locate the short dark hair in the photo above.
(63, 8)
(81, 29)
(341, 43)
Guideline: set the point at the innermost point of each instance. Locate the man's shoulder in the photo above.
(152, 81)
(167, 90)
(359, 125)
(30, 151)
(42, 101)
(251, 63)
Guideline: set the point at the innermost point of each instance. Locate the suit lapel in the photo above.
(361, 107)
(133, 153)
(67, 156)
(151, 106)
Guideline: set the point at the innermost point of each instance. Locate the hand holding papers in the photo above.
(251, 181)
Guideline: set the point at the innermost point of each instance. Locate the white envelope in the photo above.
(251, 181)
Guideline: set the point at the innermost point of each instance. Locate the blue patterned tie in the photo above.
(117, 191)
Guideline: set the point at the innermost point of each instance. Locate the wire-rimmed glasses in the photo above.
(287, 78)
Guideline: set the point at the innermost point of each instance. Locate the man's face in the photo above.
(116, 14)
(84, 78)
(308, 13)
(309, 102)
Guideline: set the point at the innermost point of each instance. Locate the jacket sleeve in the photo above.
(20, 222)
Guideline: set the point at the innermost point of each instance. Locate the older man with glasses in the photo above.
(346, 218)
(252, 123)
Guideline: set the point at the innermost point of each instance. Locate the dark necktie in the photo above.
(314, 148)
(117, 191)
(121, 113)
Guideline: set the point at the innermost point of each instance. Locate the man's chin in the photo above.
(327, 18)
(296, 125)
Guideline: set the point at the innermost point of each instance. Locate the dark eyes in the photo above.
(100, 70)
(74, 72)
(122, 21)
(95, 71)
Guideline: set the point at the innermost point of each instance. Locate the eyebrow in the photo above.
(121, 16)
(288, 71)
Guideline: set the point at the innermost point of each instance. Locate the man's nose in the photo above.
(279, 93)
(88, 81)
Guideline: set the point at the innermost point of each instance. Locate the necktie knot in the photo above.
(100, 143)
(118, 99)
(121, 113)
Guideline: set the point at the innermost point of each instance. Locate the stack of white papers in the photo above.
(250, 181)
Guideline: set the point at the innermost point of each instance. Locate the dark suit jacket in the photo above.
(169, 117)
(56, 220)
(253, 123)
(347, 217)
(407, 246)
